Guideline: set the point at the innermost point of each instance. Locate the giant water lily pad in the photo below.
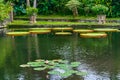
(82, 30)
(63, 33)
(40, 31)
(106, 30)
(93, 35)
(17, 33)
(63, 29)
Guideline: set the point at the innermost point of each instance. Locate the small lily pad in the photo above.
(24, 65)
(75, 64)
(54, 72)
(39, 68)
(65, 75)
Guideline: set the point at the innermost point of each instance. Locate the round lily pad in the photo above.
(63, 33)
(17, 33)
(24, 65)
(64, 29)
(118, 30)
(93, 35)
(82, 30)
(105, 30)
(40, 68)
(40, 31)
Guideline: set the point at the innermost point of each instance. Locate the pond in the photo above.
(100, 57)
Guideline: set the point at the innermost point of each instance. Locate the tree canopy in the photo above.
(48, 7)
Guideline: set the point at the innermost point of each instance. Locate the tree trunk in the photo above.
(28, 3)
(34, 15)
(31, 19)
(101, 19)
(75, 12)
(11, 13)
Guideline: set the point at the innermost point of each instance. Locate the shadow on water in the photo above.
(100, 58)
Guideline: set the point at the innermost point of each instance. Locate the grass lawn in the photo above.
(23, 22)
(65, 17)
(58, 17)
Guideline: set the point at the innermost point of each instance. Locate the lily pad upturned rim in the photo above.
(63, 33)
(82, 30)
(39, 31)
(62, 28)
(17, 33)
(105, 30)
(93, 35)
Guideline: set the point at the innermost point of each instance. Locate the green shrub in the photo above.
(4, 10)
(99, 9)
(73, 4)
(31, 11)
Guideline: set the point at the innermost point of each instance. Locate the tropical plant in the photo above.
(31, 10)
(73, 5)
(99, 9)
(5, 10)
(57, 67)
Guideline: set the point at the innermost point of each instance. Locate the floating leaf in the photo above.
(35, 64)
(105, 30)
(54, 72)
(24, 65)
(75, 64)
(93, 35)
(63, 33)
(66, 74)
(60, 67)
(50, 67)
(40, 68)
(17, 33)
(82, 30)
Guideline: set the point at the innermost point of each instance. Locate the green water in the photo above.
(100, 58)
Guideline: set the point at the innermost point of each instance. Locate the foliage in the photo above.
(57, 67)
(31, 11)
(47, 7)
(99, 9)
(115, 10)
(73, 4)
(5, 10)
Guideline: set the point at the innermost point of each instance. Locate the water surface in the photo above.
(100, 58)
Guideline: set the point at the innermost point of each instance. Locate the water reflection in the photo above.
(99, 57)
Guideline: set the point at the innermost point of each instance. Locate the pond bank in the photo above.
(52, 24)
(73, 26)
